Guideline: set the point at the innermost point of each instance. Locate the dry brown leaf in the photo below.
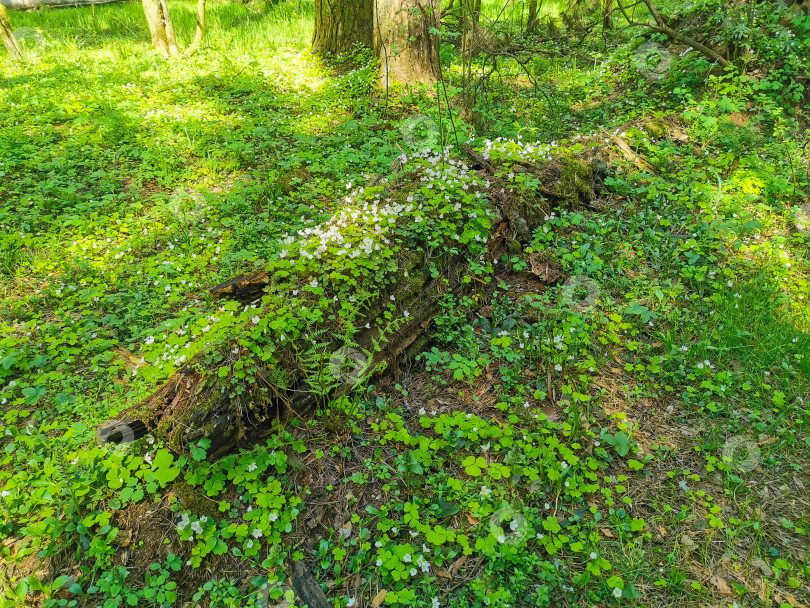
(471, 519)
(761, 589)
(763, 567)
(442, 573)
(124, 538)
(128, 358)
(457, 565)
(783, 598)
(379, 598)
(722, 586)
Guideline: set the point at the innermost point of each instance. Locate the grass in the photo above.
(650, 449)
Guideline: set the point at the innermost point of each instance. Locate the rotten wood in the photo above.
(636, 159)
(243, 288)
(190, 406)
(307, 590)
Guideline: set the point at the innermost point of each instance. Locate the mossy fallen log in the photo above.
(344, 301)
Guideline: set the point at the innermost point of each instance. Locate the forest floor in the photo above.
(616, 413)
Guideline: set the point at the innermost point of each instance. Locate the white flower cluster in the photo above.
(372, 219)
(196, 526)
(510, 149)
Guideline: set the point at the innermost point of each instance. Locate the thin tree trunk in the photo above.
(174, 49)
(199, 33)
(403, 41)
(534, 10)
(607, 22)
(7, 34)
(342, 24)
(160, 27)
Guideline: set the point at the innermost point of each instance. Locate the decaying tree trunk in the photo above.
(307, 590)
(7, 34)
(342, 24)
(403, 42)
(196, 404)
(160, 27)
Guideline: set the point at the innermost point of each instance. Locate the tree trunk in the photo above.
(607, 21)
(7, 34)
(342, 24)
(160, 27)
(207, 399)
(199, 33)
(407, 51)
(471, 37)
(531, 22)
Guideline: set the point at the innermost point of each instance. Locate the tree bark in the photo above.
(7, 34)
(403, 42)
(607, 21)
(160, 27)
(199, 32)
(197, 402)
(342, 24)
(531, 22)
(307, 590)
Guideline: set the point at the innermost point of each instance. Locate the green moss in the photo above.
(193, 500)
(655, 127)
(576, 180)
(292, 179)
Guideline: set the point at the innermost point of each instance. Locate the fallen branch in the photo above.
(637, 160)
(661, 26)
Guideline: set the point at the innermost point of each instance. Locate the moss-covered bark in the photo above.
(342, 24)
(403, 42)
(302, 347)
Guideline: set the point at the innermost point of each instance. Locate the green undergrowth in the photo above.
(614, 412)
